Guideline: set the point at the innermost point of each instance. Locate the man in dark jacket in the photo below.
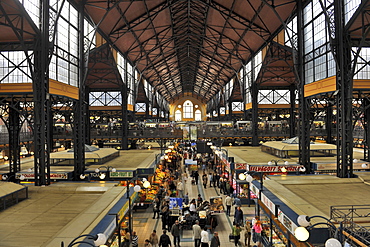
(175, 231)
(238, 217)
(215, 241)
(164, 240)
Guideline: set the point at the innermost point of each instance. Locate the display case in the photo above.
(278, 239)
(242, 189)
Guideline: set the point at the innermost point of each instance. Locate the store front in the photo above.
(277, 219)
(118, 218)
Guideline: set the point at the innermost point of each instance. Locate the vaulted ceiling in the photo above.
(189, 46)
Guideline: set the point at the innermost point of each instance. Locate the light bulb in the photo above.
(303, 221)
(146, 184)
(137, 188)
(301, 234)
(333, 242)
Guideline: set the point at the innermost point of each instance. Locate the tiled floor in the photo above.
(145, 228)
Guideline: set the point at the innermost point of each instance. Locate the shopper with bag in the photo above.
(236, 233)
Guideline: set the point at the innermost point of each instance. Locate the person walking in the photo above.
(199, 200)
(164, 240)
(228, 203)
(237, 202)
(134, 240)
(156, 208)
(175, 231)
(197, 233)
(186, 199)
(223, 182)
(153, 238)
(236, 233)
(210, 178)
(204, 237)
(193, 207)
(247, 233)
(215, 241)
(238, 217)
(215, 179)
(180, 189)
(204, 178)
(165, 216)
(196, 177)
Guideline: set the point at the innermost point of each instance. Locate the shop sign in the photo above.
(286, 221)
(240, 166)
(175, 203)
(122, 174)
(268, 203)
(289, 168)
(190, 162)
(52, 176)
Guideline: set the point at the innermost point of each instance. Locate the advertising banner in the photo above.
(289, 168)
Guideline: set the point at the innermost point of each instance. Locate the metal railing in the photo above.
(355, 220)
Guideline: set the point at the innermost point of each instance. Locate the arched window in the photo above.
(178, 115)
(188, 109)
(198, 115)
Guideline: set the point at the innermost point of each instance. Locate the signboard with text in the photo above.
(31, 175)
(240, 166)
(289, 168)
(268, 203)
(286, 221)
(122, 174)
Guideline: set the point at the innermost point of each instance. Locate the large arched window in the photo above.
(198, 115)
(178, 115)
(187, 109)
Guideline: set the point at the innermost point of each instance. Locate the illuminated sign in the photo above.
(289, 168)
(26, 176)
(122, 174)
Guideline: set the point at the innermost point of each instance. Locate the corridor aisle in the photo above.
(144, 224)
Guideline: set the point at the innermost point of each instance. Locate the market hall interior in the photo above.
(65, 210)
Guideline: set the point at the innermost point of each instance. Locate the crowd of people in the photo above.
(204, 235)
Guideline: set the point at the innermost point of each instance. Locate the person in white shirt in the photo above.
(228, 203)
(204, 237)
(193, 207)
(180, 189)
